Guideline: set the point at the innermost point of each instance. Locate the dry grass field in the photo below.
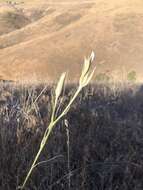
(78, 136)
(105, 139)
(41, 39)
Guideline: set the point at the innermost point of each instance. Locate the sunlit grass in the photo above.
(84, 80)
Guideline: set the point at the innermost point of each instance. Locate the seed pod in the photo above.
(86, 75)
(60, 85)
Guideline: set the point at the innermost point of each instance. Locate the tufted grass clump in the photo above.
(86, 76)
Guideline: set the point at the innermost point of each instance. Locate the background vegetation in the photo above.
(104, 130)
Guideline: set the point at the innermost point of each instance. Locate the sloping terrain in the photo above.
(11, 19)
(59, 34)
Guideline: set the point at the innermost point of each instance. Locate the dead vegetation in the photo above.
(105, 129)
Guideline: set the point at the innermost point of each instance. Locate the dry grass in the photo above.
(84, 80)
(105, 130)
(114, 30)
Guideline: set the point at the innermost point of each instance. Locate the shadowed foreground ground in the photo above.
(106, 139)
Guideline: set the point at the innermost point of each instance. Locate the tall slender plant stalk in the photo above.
(85, 78)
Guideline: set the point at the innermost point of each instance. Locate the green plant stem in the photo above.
(64, 111)
(68, 106)
(43, 142)
(54, 109)
(31, 168)
(47, 134)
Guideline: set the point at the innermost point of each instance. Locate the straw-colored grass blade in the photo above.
(85, 75)
(85, 78)
(60, 85)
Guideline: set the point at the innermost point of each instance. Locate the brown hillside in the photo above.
(62, 33)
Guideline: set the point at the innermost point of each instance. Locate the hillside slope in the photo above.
(66, 32)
